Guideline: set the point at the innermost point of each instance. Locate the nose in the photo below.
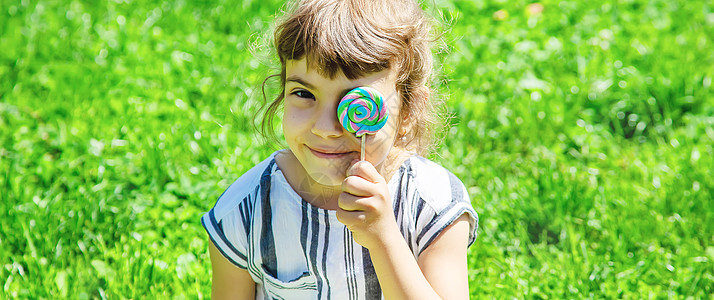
(327, 125)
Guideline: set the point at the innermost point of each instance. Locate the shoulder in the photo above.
(436, 198)
(229, 221)
(435, 185)
(242, 189)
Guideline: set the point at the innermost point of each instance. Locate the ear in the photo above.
(405, 125)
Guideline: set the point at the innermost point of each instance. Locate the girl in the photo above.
(313, 221)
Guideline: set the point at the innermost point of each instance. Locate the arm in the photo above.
(440, 273)
(229, 281)
(444, 262)
(365, 208)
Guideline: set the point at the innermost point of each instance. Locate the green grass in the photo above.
(584, 134)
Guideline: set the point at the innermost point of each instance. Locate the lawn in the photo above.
(583, 130)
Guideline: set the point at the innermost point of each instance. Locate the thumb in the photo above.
(366, 170)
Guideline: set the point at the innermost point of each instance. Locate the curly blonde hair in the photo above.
(359, 37)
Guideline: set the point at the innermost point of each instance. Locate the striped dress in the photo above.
(294, 250)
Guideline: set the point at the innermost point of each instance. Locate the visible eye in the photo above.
(303, 94)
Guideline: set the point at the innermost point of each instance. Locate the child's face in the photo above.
(311, 127)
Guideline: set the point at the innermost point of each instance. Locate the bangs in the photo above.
(336, 36)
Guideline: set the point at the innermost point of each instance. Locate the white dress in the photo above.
(294, 250)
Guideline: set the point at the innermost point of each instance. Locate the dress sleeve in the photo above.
(230, 220)
(227, 230)
(438, 212)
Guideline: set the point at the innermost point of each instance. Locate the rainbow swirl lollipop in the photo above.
(362, 111)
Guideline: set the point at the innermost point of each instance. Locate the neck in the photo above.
(311, 191)
(318, 194)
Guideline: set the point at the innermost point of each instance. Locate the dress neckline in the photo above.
(277, 173)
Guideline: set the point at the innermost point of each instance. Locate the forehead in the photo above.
(384, 81)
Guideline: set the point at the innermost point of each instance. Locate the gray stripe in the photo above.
(371, 284)
(408, 166)
(416, 199)
(250, 206)
(349, 243)
(267, 240)
(457, 191)
(435, 220)
(303, 230)
(349, 263)
(401, 192)
(222, 235)
(408, 238)
(324, 254)
(314, 241)
(350, 240)
(420, 206)
(451, 220)
(401, 212)
(245, 215)
(223, 238)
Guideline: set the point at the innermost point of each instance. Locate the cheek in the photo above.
(378, 147)
(390, 130)
(394, 116)
(384, 139)
(291, 131)
(292, 120)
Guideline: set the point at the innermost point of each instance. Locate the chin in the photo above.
(327, 179)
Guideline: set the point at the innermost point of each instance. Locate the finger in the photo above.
(366, 170)
(351, 218)
(348, 202)
(351, 202)
(359, 186)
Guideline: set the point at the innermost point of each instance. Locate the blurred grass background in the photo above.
(583, 130)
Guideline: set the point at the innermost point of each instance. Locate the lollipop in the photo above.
(361, 111)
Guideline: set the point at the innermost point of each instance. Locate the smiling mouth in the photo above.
(330, 154)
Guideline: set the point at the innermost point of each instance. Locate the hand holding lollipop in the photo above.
(365, 205)
(361, 111)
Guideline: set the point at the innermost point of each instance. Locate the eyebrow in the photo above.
(300, 81)
(308, 85)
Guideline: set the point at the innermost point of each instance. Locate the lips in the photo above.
(330, 154)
